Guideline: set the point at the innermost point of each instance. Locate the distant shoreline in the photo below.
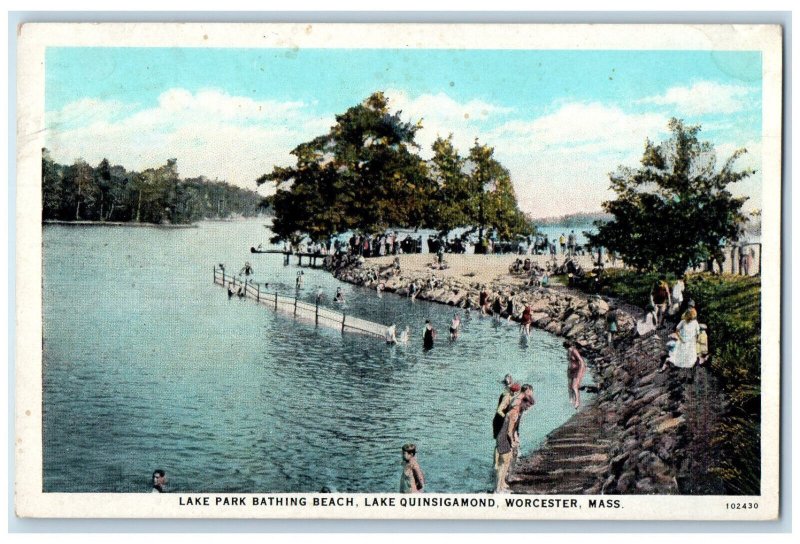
(115, 224)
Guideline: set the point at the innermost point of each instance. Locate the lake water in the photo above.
(148, 365)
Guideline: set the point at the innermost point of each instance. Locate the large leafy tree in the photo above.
(674, 211)
(363, 174)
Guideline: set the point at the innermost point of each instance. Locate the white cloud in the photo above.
(560, 161)
(210, 132)
(704, 97)
(442, 115)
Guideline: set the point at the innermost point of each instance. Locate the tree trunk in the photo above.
(139, 208)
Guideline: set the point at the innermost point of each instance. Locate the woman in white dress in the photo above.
(648, 323)
(686, 350)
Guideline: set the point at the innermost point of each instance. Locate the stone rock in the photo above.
(574, 331)
(645, 485)
(553, 327)
(540, 318)
(599, 307)
(668, 424)
(625, 481)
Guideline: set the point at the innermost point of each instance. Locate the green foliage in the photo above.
(674, 211)
(156, 195)
(365, 174)
(730, 306)
(362, 174)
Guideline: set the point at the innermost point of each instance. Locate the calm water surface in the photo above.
(148, 365)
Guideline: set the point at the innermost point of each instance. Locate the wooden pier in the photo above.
(312, 257)
(304, 311)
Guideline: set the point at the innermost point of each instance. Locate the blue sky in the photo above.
(559, 120)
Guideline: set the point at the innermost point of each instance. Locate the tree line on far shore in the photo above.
(106, 192)
(365, 175)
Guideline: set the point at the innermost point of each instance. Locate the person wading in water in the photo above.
(576, 368)
(412, 480)
(428, 336)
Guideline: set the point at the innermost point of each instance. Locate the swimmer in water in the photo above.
(455, 327)
(339, 296)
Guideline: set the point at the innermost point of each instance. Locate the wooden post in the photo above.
(276, 301)
(344, 316)
(316, 313)
(295, 305)
(759, 259)
(258, 292)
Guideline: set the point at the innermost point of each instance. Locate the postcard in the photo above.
(398, 271)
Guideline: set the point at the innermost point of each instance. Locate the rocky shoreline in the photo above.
(640, 435)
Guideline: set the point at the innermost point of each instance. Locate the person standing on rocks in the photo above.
(668, 358)
(702, 345)
(612, 325)
(677, 296)
(688, 330)
(660, 298)
(576, 368)
(648, 323)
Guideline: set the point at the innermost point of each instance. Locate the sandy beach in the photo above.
(470, 268)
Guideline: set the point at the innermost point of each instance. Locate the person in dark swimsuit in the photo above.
(527, 320)
(483, 301)
(497, 308)
(428, 336)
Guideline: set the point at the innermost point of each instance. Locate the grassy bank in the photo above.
(730, 306)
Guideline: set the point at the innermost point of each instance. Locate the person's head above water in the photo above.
(159, 478)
